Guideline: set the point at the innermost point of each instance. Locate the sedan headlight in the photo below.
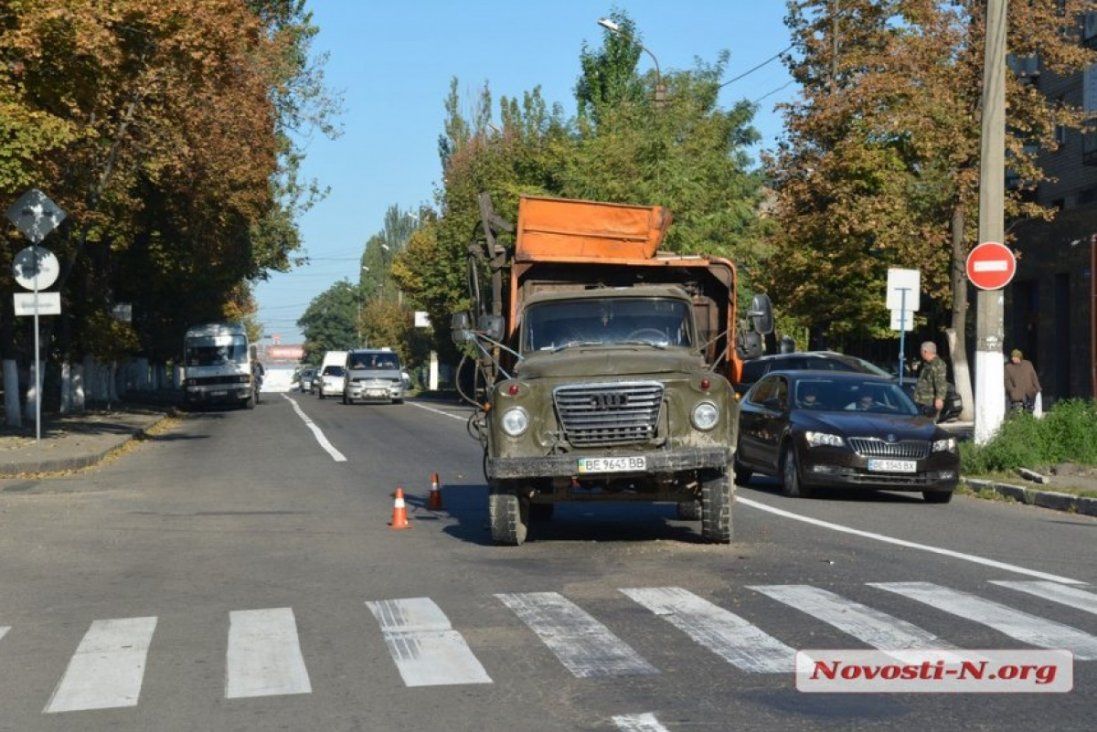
(705, 416)
(947, 444)
(817, 439)
(515, 421)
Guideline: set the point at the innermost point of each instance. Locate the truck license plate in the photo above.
(893, 466)
(612, 465)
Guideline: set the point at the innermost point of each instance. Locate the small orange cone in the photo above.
(434, 500)
(399, 512)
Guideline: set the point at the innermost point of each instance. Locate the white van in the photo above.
(218, 365)
(331, 377)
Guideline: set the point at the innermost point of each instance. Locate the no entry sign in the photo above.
(991, 266)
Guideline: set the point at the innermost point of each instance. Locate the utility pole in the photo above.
(990, 401)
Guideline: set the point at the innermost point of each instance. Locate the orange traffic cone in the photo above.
(434, 500)
(399, 512)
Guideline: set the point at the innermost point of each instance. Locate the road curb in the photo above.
(1046, 499)
(78, 462)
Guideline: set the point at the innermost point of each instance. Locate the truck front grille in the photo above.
(609, 413)
(875, 447)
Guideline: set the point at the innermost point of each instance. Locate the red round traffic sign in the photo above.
(991, 266)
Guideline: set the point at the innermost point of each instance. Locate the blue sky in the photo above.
(392, 62)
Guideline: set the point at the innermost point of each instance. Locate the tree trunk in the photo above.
(957, 334)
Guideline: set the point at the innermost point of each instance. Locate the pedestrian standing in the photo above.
(932, 386)
(1022, 384)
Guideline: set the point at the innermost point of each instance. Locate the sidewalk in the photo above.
(73, 442)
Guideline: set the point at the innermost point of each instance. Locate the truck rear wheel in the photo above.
(509, 517)
(717, 495)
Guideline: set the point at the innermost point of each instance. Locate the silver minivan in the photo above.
(373, 375)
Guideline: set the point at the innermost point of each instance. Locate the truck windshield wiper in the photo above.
(571, 344)
(660, 346)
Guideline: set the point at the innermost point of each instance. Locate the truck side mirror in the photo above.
(761, 314)
(460, 326)
(492, 326)
(750, 344)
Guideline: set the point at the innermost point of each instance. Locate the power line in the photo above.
(784, 86)
(751, 70)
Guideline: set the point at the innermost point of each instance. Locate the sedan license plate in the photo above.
(893, 466)
(219, 393)
(612, 465)
(375, 393)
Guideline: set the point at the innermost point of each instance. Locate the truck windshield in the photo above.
(659, 322)
(216, 351)
(373, 362)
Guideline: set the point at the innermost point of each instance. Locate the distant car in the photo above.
(373, 375)
(330, 382)
(306, 379)
(756, 368)
(833, 428)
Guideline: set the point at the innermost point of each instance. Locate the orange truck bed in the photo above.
(556, 229)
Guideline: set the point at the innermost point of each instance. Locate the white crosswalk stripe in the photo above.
(426, 648)
(870, 626)
(108, 667)
(585, 646)
(638, 723)
(724, 633)
(264, 655)
(1072, 596)
(1016, 624)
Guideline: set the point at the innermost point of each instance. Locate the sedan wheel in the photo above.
(790, 475)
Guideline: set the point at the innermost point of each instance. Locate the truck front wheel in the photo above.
(509, 517)
(717, 495)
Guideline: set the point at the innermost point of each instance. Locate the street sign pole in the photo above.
(990, 404)
(37, 368)
(902, 330)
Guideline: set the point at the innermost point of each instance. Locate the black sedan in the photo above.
(756, 368)
(827, 428)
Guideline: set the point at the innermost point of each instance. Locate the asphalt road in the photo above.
(233, 574)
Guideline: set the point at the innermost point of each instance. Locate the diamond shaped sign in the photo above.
(35, 215)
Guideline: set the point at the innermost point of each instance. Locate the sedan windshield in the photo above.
(659, 322)
(374, 362)
(846, 395)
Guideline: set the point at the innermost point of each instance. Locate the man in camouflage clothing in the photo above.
(932, 384)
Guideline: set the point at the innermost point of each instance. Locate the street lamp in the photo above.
(660, 89)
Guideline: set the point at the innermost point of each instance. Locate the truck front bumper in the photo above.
(566, 466)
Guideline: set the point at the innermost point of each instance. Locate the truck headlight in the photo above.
(515, 421)
(705, 416)
(947, 444)
(815, 439)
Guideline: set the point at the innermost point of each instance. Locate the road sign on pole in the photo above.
(991, 266)
(36, 216)
(41, 303)
(904, 289)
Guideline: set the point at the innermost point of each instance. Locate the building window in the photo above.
(1089, 28)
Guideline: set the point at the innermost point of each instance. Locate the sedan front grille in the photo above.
(877, 448)
(609, 413)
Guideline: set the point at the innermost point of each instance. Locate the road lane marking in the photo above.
(330, 448)
(439, 411)
(264, 655)
(1071, 596)
(868, 625)
(1018, 625)
(724, 633)
(638, 723)
(585, 646)
(108, 667)
(903, 542)
(4, 630)
(426, 648)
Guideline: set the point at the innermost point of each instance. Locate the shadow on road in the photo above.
(621, 521)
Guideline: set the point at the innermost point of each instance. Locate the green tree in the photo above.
(608, 75)
(381, 250)
(330, 323)
(880, 167)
